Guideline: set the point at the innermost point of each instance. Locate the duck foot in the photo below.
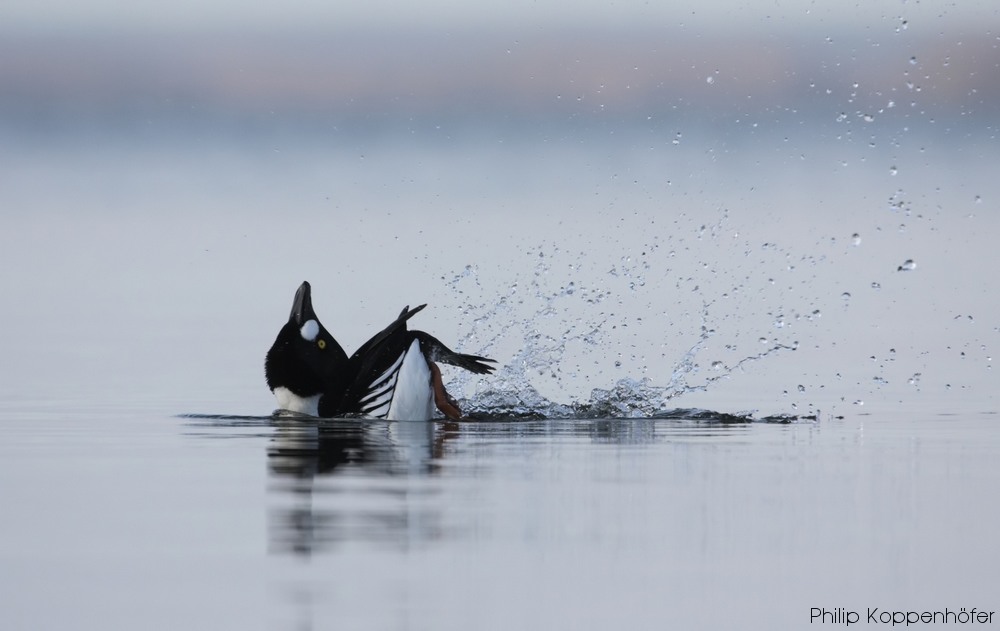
(443, 400)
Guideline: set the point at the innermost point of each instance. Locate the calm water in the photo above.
(824, 258)
(117, 519)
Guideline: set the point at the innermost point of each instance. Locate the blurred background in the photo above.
(775, 207)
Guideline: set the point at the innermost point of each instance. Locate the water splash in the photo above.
(546, 340)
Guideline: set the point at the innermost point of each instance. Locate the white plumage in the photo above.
(413, 398)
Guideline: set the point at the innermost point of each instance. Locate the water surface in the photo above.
(267, 523)
(739, 285)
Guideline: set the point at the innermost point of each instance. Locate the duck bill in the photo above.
(302, 308)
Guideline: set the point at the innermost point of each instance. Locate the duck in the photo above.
(393, 376)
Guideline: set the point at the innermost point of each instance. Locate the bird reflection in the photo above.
(348, 479)
(339, 480)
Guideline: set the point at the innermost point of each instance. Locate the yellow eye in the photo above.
(321, 344)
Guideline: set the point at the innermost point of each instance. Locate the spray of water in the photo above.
(534, 316)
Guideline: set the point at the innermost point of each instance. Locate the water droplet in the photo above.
(859, 402)
(801, 388)
(876, 285)
(709, 79)
(846, 295)
(913, 61)
(618, 363)
(907, 265)
(856, 239)
(717, 365)
(893, 170)
(762, 340)
(868, 118)
(914, 380)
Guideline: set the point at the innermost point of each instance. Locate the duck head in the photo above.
(305, 360)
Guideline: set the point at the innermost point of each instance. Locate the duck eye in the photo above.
(321, 344)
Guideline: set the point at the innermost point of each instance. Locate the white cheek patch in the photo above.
(309, 330)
